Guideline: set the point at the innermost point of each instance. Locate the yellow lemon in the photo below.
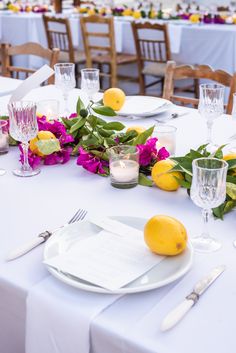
(42, 135)
(165, 235)
(137, 14)
(114, 98)
(162, 176)
(91, 12)
(138, 129)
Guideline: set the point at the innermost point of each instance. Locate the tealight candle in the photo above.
(166, 135)
(124, 166)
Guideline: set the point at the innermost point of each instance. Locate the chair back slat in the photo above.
(8, 53)
(59, 35)
(184, 72)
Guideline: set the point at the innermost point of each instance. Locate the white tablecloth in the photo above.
(132, 323)
(214, 45)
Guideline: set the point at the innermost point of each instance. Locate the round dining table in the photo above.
(39, 313)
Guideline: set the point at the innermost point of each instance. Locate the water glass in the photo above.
(90, 83)
(124, 166)
(166, 135)
(3, 142)
(23, 128)
(208, 190)
(65, 81)
(211, 106)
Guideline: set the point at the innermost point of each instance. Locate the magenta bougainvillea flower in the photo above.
(91, 163)
(148, 152)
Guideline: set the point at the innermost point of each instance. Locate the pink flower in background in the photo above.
(91, 163)
(148, 152)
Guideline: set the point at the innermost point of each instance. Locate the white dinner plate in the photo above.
(144, 106)
(167, 271)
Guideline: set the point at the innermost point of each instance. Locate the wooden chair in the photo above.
(102, 53)
(183, 72)
(58, 34)
(8, 52)
(152, 54)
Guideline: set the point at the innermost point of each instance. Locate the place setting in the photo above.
(118, 177)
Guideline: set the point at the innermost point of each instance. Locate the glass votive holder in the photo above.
(124, 166)
(4, 137)
(166, 135)
(48, 108)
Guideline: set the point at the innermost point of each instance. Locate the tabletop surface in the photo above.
(31, 205)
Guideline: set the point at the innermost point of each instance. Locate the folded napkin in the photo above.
(59, 317)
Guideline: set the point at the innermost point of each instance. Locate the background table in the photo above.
(131, 324)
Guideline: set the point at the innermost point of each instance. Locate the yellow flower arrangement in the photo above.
(127, 12)
(136, 14)
(152, 14)
(102, 11)
(82, 10)
(195, 18)
(91, 12)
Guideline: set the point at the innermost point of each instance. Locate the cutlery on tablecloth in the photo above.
(172, 116)
(181, 310)
(42, 237)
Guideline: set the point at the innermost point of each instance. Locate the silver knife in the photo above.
(25, 248)
(181, 310)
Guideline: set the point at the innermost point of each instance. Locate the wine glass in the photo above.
(23, 127)
(65, 81)
(211, 106)
(90, 82)
(208, 190)
(3, 124)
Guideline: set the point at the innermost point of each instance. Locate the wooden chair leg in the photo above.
(113, 75)
(142, 90)
(196, 87)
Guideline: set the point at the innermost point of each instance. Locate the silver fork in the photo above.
(43, 237)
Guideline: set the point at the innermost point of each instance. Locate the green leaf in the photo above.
(114, 125)
(231, 179)
(80, 122)
(92, 120)
(47, 147)
(102, 155)
(100, 102)
(128, 136)
(108, 142)
(219, 154)
(232, 164)
(142, 138)
(229, 205)
(100, 121)
(185, 184)
(91, 141)
(202, 148)
(103, 110)
(194, 154)
(80, 105)
(219, 211)
(231, 190)
(69, 122)
(105, 133)
(144, 180)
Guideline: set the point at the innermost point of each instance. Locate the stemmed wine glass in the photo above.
(211, 106)
(23, 127)
(208, 190)
(65, 80)
(3, 124)
(90, 82)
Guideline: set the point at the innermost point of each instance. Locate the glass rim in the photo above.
(21, 102)
(224, 163)
(216, 86)
(172, 127)
(136, 151)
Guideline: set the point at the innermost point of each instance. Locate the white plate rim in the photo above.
(166, 105)
(125, 290)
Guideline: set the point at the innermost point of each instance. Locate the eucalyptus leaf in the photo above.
(80, 122)
(144, 180)
(105, 133)
(114, 125)
(69, 122)
(92, 120)
(103, 110)
(91, 141)
(80, 105)
(142, 138)
(47, 147)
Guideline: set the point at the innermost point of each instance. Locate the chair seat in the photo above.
(120, 58)
(78, 55)
(155, 69)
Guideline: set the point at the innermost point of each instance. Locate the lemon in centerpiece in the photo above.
(114, 98)
(163, 177)
(138, 129)
(42, 135)
(228, 157)
(165, 235)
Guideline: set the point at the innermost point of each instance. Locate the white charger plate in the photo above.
(167, 271)
(144, 106)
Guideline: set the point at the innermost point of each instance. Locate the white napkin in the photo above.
(59, 317)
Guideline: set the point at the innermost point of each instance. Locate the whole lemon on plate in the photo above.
(163, 177)
(228, 157)
(138, 129)
(114, 98)
(42, 135)
(165, 235)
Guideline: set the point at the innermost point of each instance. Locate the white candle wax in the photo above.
(3, 141)
(168, 142)
(124, 171)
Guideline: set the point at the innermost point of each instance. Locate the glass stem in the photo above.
(25, 147)
(209, 132)
(206, 213)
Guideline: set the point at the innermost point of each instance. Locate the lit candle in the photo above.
(124, 171)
